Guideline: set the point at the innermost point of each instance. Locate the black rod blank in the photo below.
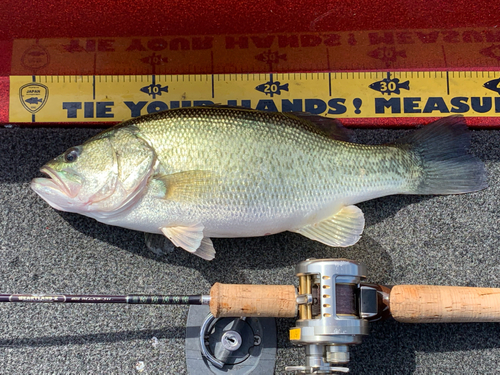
(130, 299)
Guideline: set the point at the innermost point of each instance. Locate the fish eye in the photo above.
(72, 154)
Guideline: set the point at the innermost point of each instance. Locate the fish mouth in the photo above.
(56, 181)
(58, 191)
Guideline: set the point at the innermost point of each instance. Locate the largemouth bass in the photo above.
(195, 173)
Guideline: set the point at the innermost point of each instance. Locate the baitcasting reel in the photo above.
(334, 308)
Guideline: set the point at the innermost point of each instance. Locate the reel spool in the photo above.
(336, 315)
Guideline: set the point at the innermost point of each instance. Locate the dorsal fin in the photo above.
(329, 126)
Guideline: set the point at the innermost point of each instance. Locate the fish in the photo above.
(492, 51)
(389, 86)
(33, 100)
(493, 85)
(192, 174)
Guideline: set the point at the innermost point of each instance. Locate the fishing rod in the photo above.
(98, 298)
(333, 304)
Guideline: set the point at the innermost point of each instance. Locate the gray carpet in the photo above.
(445, 240)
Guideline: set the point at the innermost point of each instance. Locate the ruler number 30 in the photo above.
(384, 86)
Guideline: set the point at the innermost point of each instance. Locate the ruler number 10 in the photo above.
(153, 90)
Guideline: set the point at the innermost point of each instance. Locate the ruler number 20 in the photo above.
(268, 88)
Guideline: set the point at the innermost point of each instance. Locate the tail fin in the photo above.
(447, 168)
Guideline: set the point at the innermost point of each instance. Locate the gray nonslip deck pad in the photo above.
(441, 240)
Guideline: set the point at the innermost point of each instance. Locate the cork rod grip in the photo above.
(444, 304)
(235, 300)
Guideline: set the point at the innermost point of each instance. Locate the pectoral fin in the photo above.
(191, 239)
(188, 185)
(340, 230)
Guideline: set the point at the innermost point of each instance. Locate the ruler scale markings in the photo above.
(213, 86)
(329, 84)
(426, 95)
(447, 83)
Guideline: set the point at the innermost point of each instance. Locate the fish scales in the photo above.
(292, 166)
(195, 173)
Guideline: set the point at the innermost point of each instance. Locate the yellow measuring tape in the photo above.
(113, 98)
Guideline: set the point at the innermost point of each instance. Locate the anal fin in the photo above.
(191, 239)
(340, 230)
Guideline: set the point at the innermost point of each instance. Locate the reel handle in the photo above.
(444, 304)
